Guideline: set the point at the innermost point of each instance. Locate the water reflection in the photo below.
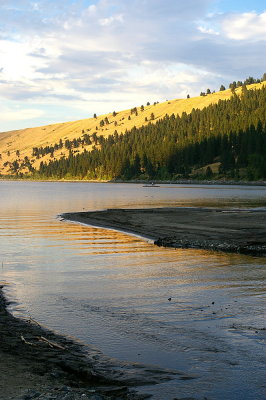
(111, 289)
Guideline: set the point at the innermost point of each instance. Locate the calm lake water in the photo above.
(110, 290)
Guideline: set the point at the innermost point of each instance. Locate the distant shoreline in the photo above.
(227, 230)
(143, 182)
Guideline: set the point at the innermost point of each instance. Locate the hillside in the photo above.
(52, 142)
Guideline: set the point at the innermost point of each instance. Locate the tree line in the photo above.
(231, 133)
(233, 85)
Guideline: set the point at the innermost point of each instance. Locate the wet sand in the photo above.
(36, 363)
(29, 363)
(230, 230)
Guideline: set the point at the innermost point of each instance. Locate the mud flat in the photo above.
(229, 230)
(37, 363)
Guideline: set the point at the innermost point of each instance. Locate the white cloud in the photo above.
(15, 61)
(20, 114)
(121, 51)
(111, 20)
(246, 26)
(208, 31)
(109, 39)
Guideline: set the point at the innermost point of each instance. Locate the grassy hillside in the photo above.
(17, 146)
(226, 140)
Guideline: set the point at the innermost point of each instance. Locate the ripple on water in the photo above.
(111, 290)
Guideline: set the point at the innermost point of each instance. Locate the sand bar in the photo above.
(230, 230)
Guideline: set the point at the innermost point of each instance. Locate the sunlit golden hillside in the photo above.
(18, 145)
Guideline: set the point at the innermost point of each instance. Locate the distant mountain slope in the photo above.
(23, 150)
(226, 140)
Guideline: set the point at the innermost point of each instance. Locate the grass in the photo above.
(25, 139)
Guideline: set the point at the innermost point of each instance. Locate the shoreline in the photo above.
(143, 182)
(228, 230)
(31, 366)
(37, 363)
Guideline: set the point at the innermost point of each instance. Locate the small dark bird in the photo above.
(170, 298)
(212, 302)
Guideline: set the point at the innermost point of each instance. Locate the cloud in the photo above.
(111, 20)
(208, 31)
(20, 114)
(227, 61)
(122, 51)
(246, 26)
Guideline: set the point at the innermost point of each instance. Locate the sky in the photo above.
(63, 60)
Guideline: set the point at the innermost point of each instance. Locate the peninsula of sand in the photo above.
(230, 230)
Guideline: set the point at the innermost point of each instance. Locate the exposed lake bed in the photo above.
(231, 230)
(110, 290)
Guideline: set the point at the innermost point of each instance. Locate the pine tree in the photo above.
(230, 132)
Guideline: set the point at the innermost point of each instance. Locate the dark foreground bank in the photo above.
(36, 363)
(230, 230)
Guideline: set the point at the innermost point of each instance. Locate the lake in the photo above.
(110, 289)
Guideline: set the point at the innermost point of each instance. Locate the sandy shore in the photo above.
(242, 231)
(32, 367)
(36, 363)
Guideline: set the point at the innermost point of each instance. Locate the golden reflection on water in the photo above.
(111, 289)
(88, 240)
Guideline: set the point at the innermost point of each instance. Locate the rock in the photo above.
(65, 389)
(31, 394)
(55, 374)
(68, 396)
(96, 397)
